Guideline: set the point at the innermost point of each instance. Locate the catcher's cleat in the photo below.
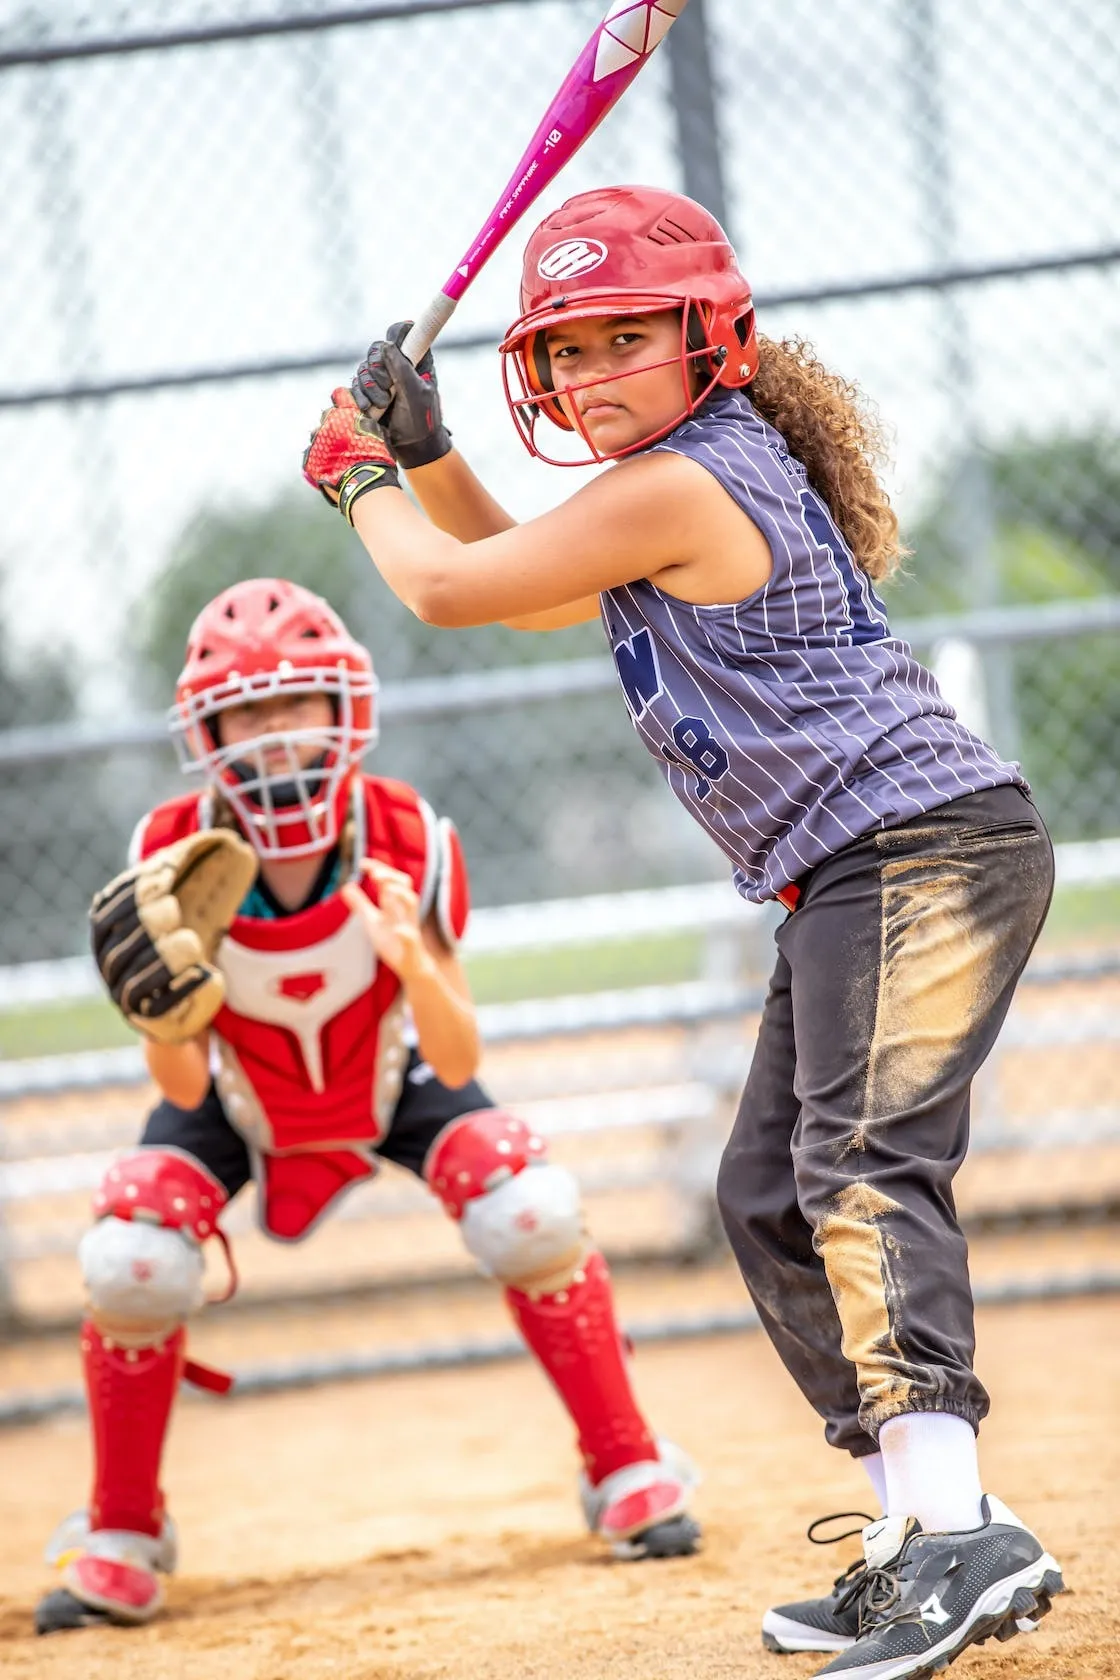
(59, 1611)
(109, 1575)
(679, 1537)
(641, 1511)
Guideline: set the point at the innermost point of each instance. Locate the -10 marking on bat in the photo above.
(552, 140)
(605, 67)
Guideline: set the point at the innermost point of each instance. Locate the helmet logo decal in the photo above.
(571, 257)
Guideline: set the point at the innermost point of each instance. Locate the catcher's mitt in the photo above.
(156, 927)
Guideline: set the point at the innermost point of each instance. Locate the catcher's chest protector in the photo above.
(310, 1042)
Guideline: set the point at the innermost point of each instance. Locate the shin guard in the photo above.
(131, 1390)
(574, 1334)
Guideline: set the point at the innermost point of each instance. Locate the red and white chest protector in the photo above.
(310, 1048)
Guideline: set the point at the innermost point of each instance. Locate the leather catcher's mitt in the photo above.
(156, 927)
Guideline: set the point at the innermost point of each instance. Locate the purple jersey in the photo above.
(791, 722)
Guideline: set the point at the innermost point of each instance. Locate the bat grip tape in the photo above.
(428, 326)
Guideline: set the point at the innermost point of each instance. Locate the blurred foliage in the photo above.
(298, 537)
(38, 687)
(1049, 510)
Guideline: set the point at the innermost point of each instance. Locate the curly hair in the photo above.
(835, 433)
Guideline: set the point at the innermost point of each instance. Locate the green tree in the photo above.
(1050, 510)
(298, 537)
(50, 822)
(35, 688)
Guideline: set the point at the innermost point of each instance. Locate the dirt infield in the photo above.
(426, 1526)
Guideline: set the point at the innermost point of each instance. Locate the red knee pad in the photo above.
(476, 1154)
(167, 1187)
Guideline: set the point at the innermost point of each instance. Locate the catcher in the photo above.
(285, 943)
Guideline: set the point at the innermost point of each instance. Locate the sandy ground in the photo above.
(426, 1526)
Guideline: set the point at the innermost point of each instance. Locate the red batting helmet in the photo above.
(633, 251)
(259, 639)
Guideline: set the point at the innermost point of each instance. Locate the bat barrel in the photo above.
(608, 63)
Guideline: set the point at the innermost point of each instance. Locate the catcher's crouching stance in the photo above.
(286, 943)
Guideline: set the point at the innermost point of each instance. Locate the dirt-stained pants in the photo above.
(893, 978)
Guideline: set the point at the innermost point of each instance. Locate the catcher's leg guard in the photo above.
(522, 1220)
(142, 1268)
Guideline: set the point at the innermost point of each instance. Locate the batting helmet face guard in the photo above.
(628, 251)
(263, 640)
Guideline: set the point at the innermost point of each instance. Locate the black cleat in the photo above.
(59, 1611)
(678, 1537)
(929, 1596)
(822, 1624)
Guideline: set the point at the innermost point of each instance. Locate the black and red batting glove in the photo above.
(348, 455)
(404, 400)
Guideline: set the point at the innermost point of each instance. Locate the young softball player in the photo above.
(732, 554)
(285, 940)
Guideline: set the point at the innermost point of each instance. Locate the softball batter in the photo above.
(732, 553)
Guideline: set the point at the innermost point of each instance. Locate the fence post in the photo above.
(694, 104)
(972, 526)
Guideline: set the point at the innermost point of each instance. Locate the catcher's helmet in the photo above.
(259, 639)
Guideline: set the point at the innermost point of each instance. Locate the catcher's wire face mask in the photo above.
(287, 788)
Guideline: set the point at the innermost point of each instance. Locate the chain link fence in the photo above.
(210, 207)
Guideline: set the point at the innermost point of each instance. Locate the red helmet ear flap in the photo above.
(741, 342)
(733, 361)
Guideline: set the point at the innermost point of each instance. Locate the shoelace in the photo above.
(871, 1592)
(883, 1591)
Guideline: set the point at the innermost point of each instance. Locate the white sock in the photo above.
(932, 1471)
(872, 1464)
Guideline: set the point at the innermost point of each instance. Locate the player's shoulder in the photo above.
(387, 790)
(397, 817)
(172, 820)
(402, 828)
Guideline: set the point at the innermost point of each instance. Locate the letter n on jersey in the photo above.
(638, 671)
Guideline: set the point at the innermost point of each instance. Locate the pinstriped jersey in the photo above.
(791, 722)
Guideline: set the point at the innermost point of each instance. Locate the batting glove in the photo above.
(348, 455)
(404, 400)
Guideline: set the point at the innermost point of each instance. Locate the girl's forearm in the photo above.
(413, 557)
(456, 501)
(446, 1026)
(182, 1071)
